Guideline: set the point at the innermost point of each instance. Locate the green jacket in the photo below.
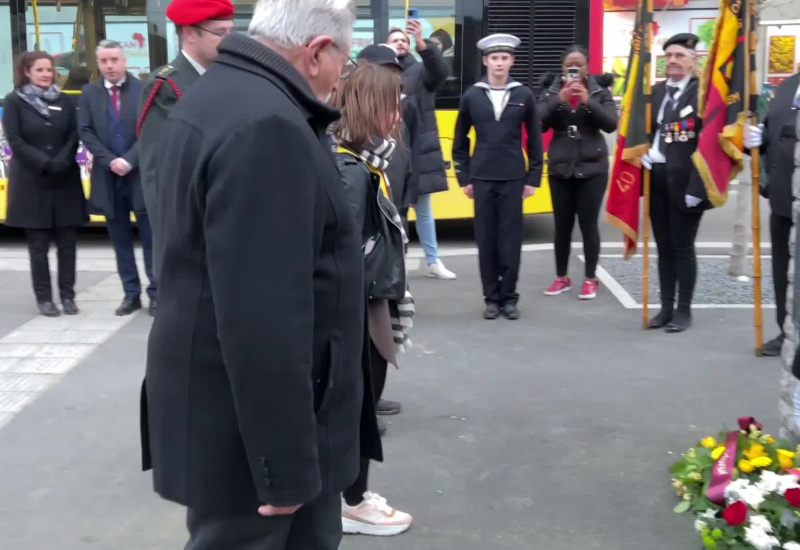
(183, 74)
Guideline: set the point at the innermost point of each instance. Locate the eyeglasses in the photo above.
(349, 66)
(219, 34)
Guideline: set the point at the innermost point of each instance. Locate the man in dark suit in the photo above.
(252, 406)
(677, 195)
(107, 122)
(201, 25)
(777, 142)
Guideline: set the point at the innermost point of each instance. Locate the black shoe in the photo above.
(69, 307)
(381, 427)
(491, 312)
(151, 309)
(510, 311)
(661, 320)
(681, 321)
(48, 309)
(388, 408)
(773, 347)
(129, 305)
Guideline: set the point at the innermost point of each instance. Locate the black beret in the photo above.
(685, 39)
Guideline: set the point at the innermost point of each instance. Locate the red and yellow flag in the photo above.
(625, 183)
(724, 100)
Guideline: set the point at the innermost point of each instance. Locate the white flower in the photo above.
(769, 482)
(708, 514)
(760, 522)
(787, 482)
(759, 539)
(734, 489)
(791, 546)
(752, 496)
(700, 525)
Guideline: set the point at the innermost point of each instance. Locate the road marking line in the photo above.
(40, 352)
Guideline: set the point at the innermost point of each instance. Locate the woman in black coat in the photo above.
(579, 110)
(45, 195)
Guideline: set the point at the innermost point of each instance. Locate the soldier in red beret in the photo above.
(201, 25)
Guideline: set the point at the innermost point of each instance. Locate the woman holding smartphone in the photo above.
(578, 109)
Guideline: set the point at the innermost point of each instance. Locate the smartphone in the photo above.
(413, 13)
(573, 74)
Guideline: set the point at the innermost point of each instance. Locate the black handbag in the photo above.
(384, 258)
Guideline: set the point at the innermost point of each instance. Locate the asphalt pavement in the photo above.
(553, 432)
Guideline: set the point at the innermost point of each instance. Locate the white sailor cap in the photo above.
(495, 43)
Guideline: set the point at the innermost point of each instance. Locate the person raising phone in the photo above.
(578, 109)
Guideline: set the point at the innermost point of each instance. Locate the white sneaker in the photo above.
(439, 271)
(374, 517)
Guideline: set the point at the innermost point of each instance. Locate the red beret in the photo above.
(192, 12)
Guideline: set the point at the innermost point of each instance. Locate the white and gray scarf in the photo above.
(38, 98)
(380, 154)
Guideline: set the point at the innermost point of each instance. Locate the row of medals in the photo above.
(671, 133)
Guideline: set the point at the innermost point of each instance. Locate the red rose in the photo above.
(735, 514)
(793, 497)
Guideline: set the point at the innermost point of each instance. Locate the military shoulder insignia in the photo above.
(165, 71)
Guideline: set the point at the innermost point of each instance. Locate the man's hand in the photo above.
(119, 167)
(270, 510)
(647, 162)
(414, 28)
(753, 136)
(468, 191)
(528, 191)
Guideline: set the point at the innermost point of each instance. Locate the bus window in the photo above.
(439, 25)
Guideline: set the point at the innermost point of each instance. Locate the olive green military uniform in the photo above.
(183, 75)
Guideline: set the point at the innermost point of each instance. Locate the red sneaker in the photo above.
(561, 284)
(588, 289)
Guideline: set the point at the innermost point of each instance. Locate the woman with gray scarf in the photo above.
(45, 194)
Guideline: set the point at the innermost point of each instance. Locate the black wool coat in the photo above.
(44, 180)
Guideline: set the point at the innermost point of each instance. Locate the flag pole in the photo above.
(755, 164)
(648, 5)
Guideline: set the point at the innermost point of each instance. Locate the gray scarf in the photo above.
(38, 98)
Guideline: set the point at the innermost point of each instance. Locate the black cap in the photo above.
(685, 39)
(378, 54)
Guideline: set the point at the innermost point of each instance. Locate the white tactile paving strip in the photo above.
(40, 352)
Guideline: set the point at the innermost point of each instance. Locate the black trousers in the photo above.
(779, 229)
(66, 239)
(675, 232)
(499, 231)
(315, 526)
(353, 495)
(581, 197)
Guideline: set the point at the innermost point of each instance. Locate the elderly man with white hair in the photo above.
(252, 407)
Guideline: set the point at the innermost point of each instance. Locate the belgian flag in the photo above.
(725, 98)
(625, 182)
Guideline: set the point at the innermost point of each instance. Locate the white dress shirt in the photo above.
(655, 152)
(197, 66)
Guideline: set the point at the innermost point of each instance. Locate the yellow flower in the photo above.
(756, 450)
(770, 440)
(709, 442)
(716, 453)
(761, 461)
(786, 458)
(746, 466)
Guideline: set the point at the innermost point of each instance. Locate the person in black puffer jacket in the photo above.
(578, 109)
(420, 82)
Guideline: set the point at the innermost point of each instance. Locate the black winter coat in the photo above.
(780, 136)
(44, 180)
(420, 81)
(578, 148)
(254, 383)
(403, 170)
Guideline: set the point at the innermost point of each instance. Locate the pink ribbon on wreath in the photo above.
(722, 470)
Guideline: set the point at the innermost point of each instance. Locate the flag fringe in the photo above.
(708, 71)
(633, 155)
(726, 137)
(627, 230)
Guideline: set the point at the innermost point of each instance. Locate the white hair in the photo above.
(294, 23)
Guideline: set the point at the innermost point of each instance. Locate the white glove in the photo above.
(691, 201)
(753, 136)
(647, 161)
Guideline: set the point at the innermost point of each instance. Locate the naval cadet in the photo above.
(495, 175)
(201, 25)
(677, 194)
